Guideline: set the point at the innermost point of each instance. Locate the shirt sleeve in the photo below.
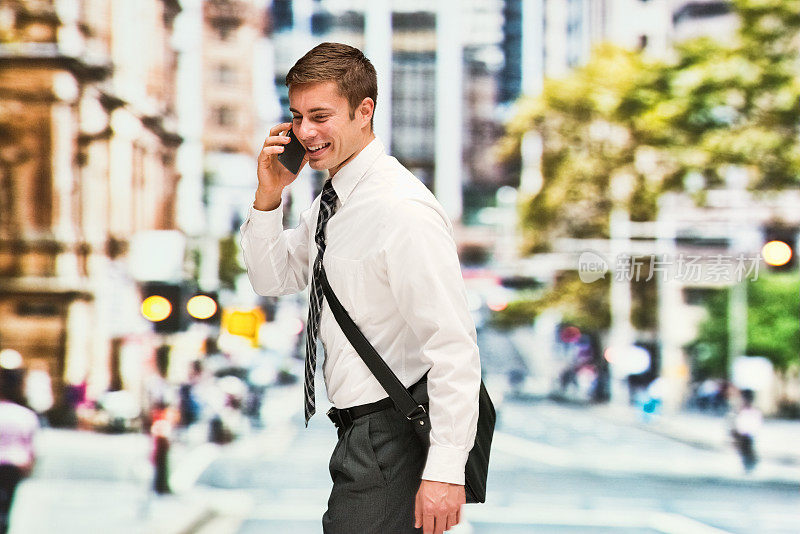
(425, 279)
(276, 259)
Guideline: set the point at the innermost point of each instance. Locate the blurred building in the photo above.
(231, 29)
(549, 38)
(234, 105)
(224, 87)
(702, 17)
(87, 159)
(723, 240)
(731, 223)
(414, 92)
(439, 112)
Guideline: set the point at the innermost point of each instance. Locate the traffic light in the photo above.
(163, 304)
(204, 307)
(172, 306)
(780, 247)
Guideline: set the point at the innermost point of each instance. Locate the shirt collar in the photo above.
(348, 176)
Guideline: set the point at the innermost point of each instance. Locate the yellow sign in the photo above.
(245, 323)
(201, 307)
(156, 308)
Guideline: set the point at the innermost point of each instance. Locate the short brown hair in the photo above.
(353, 73)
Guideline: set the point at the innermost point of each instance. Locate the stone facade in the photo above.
(87, 159)
(231, 29)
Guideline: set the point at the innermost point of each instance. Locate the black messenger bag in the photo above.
(414, 404)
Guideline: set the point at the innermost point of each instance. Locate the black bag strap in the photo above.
(396, 390)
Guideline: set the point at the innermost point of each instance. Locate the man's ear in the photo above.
(365, 111)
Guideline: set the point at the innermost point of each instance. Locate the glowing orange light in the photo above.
(497, 306)
(156, 308)
(776, 253)
(201, 307)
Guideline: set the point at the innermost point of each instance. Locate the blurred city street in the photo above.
(620, 180)
(556, 467)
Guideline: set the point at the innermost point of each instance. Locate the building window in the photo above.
(224, 28)
(282, 16)
(225, 74)
(413, 106)
(698, 296)
(576, 26)
(224, 116)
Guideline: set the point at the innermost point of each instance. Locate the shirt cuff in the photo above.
(266, 223)
(445, 464)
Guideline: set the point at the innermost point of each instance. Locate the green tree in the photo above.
(587, 138)
(229, 266)
(730, 103)
(710, 349)
(714, 105)
(581, 304)
(773, 330)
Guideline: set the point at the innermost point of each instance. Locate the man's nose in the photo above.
(305, 131)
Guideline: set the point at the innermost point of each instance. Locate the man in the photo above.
(390, 258)
(18, 425)
(746, 425)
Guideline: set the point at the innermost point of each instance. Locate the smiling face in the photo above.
(324, 124)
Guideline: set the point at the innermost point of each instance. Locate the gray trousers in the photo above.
(376, 468)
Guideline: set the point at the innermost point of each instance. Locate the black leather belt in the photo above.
(343, 418)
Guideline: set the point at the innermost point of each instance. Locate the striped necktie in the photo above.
(327, 207)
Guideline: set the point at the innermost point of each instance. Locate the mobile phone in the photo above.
(293, 154)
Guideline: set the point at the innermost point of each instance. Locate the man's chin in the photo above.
(320, 164)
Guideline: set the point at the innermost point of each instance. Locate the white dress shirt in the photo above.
(391, 259)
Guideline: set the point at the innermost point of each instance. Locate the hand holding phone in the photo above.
(293, 154)
(279, 161)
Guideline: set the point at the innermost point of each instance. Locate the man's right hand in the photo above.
(272, 176)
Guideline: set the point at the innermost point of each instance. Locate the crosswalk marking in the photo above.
(531, 450)
(680, 524)
(189, 469)
(662, 522)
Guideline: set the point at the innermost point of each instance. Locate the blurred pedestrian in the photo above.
(707, 394)
(215, 359)
(164, 420)
(189, 404)
(746, 424)
(228, 422)
(161, 432)
(160, 396)
(390, 257)
(18, 426)
(653, 399)
(39, 391)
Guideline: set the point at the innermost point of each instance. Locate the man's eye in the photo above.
(321, 118)
(296, 118)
